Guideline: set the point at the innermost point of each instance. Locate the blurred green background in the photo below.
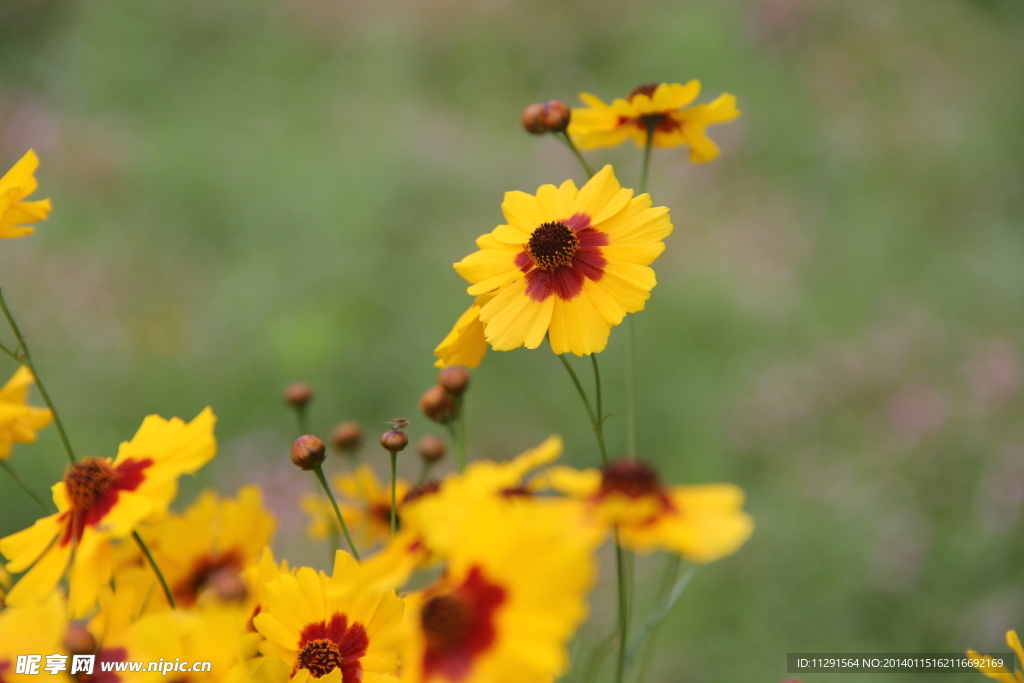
(253, 192)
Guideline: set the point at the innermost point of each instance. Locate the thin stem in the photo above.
(457, 445)
(631, 386)
(620, 667)
(156, 569)
(394, 500)
(24, 487)
(10, 353)
(595, 421)
(27, 358)
(647, 158)
(460, 423)
(319, 471)
(564, 137)
(424, 471)
(302, 419)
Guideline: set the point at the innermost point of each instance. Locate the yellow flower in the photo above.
(19, 421)
(700, 523)
(209, 634)
(18, 183)
(102, 499)
(365, 505)
(1001, 673)
(329, 628)
(659, 105)
(465, 345)
(513, 593)
(5, 585)
(210, 544)
(569, 265)
(36, 628)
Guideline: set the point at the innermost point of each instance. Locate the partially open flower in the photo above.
(660, 108)
(700, 523)
(308, 452)
(15, 185)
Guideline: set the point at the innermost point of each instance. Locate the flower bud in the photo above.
(78, 640)
(298, 395)
(532, 119)
(394, 440)
(437, 404)
(347, 436)
(455, 379)
(431, 448)
(555, 116)
(308, 452)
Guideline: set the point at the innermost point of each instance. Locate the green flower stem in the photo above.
(460, 420)
(564, 137)
(394, 500)
(26, 358)
(156, 569)
(24, 487)
(595, 420)
(424, 471)
(457, 433)
(319, 471)
(647, 158)
(631, 385)
(620, 666)
(302, 419)
(10, 353)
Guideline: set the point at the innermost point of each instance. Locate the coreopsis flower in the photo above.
(102, 499)
(700, 523)
(512, 595)
(19, 421)
(18, 183)
(465, 345)
(32, 629)
(458, 492)
(329, 628)
(569, 265)
(365, 504)
(660, 106)
(208, 634)
(206, 548)
(1001, 673)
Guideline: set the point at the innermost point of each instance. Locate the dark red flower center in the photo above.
(334, 644)
(93, 487)
(87, 481)
(320, 657)
(560, 256)
(631, 478)
(645, 89)
(553, 245)
(208, 571)
(459, 626)
(427, 488)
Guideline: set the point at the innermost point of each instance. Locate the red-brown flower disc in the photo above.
(532, 119)
(555, 116)
(347, 436)
(432, 448)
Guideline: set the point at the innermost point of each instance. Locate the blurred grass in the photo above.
(252, 193)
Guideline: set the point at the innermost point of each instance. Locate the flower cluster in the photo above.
(482, 575)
